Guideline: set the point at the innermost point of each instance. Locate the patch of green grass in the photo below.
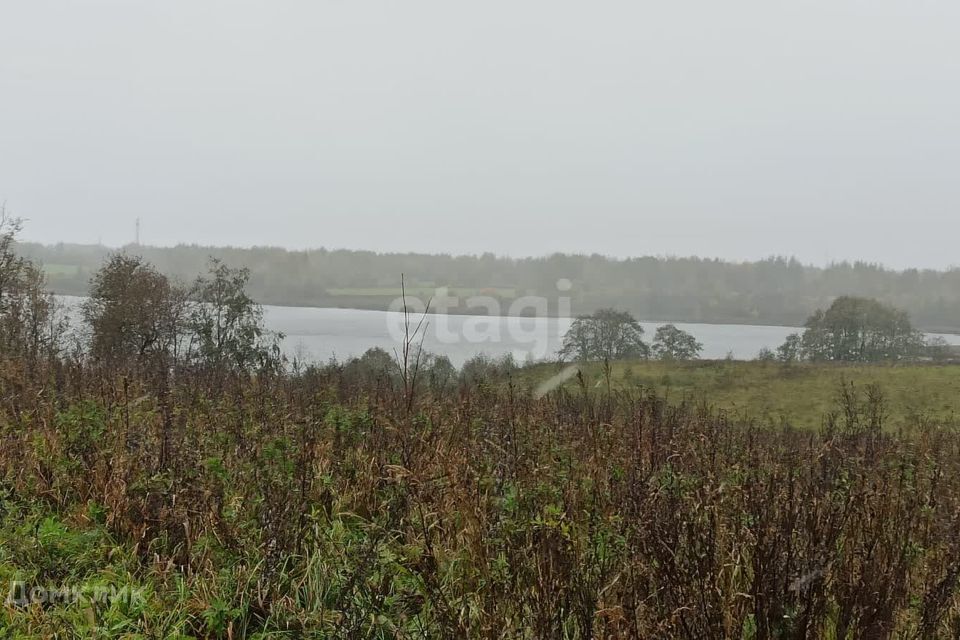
(800, 395)
(57, 574)
(53, 269)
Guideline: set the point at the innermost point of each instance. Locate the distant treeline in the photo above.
(777, 291)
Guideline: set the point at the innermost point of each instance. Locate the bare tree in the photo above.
(411, 352)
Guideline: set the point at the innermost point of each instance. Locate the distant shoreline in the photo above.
(778, 291)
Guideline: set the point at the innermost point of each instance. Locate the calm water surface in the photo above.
(321, 334)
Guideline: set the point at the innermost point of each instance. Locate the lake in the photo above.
(314, 334)
(320, 334)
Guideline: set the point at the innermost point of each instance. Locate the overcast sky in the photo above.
(824, 129)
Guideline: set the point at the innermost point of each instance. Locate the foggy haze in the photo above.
(824, 129)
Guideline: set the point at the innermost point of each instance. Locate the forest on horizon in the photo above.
(774, 291)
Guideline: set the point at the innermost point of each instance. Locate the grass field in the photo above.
(61, 269)
(800, 395)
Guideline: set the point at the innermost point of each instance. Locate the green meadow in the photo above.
(801, 395)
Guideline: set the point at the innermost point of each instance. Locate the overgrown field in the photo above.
(772, 393)
(316, 505)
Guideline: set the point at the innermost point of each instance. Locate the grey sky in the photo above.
(825, 129)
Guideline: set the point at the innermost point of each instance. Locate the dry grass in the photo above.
(308, 506)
